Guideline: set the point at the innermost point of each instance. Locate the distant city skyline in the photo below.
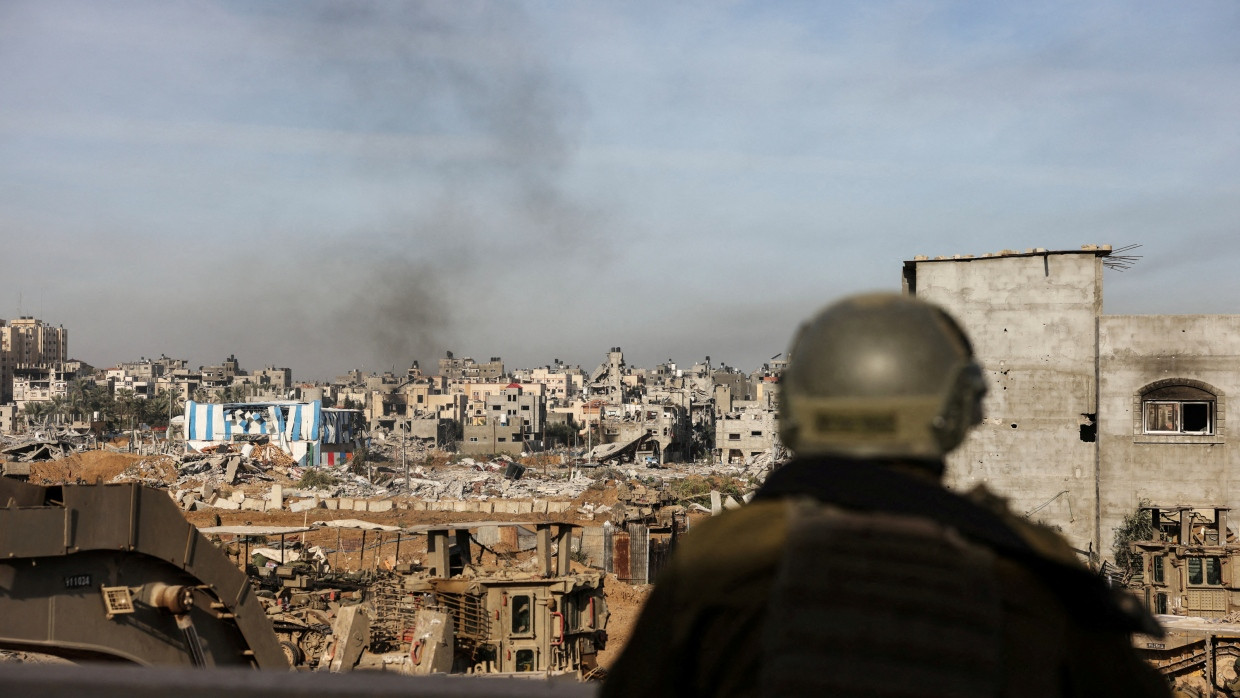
(428, 367)
(330, 186)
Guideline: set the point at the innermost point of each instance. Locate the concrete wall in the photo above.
(1135, 351)
(1032, 320)
(490, 438)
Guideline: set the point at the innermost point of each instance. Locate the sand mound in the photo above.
(624, 603)
(95, 466)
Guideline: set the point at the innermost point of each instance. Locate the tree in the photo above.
(155, 411)
(128, 408)
(1136, 526)
(76, 393)
(562, 434)
(237, 392)
(36, 411)
(58, 408)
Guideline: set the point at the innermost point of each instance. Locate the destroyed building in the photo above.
(742, 435)
(645, 432)
(608, 380)
(1087, 414)
(40, 383)
(562, 383)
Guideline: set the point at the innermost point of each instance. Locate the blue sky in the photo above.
(336, 185)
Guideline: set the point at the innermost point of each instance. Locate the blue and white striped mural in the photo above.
(295, 426)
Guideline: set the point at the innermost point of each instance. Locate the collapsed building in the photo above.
(643, 433)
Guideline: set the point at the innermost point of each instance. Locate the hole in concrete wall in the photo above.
(1013, 425)
(1089, 428)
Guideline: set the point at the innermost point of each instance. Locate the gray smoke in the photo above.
(484, 195)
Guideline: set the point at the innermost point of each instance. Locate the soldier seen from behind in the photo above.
(854, 572)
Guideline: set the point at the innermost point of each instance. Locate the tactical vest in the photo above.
(876, 604)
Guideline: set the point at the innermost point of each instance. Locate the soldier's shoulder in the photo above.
(1044, 540)
(744, 538)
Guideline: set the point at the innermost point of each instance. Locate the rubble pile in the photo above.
(43, 445)
(397, 472)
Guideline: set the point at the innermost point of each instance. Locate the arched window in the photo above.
(1178, 407)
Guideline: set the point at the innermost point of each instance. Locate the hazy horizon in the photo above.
(330, 186)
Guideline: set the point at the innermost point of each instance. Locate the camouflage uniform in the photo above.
(773, 599)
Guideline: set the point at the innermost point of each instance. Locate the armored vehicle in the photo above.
(449, 614)
(453, 615)
(114, 572)
(1189, 580)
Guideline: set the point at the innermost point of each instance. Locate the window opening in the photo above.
(525, 660)
(1178, 409)
(1179, 417)
(521, 615)
(1205, 571)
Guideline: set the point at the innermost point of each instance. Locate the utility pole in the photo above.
(404, 462)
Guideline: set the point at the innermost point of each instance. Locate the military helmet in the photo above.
(880, 375)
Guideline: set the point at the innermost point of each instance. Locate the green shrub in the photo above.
(1136, 526)
(315, 478)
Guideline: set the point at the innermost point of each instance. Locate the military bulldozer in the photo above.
(547, 621)
(451, 614)
(1189, 581)
(114, 572)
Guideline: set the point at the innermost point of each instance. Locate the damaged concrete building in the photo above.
(29, 343)
(469, 370)
(746, 434)
(648, 433)
(1087, 414)
(509, 421)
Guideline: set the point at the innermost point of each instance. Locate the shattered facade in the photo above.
(644, 433)
(40, 384)
(743, 435)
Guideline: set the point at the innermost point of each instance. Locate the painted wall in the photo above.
(295, 427)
